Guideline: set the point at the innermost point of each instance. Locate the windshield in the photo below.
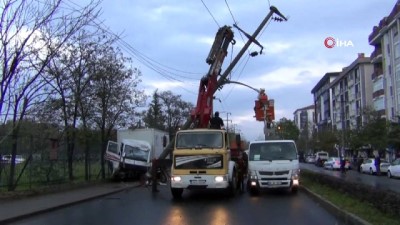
(268, 151)
(199, 140)
(136, 153)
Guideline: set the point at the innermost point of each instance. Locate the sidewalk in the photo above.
(16, 209)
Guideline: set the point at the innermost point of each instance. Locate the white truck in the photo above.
(273, 164)
(321, 157)
(132, 154)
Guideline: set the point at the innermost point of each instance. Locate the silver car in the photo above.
(368, 166)
(394, 169)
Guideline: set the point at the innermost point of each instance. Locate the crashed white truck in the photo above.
(131, 156)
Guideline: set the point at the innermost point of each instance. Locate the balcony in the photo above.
(373, 38)
(376, 55)
(378, 93)
(377, 72)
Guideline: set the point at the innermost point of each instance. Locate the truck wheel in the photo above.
(177, 193)
(294, 190)
(254, 191)
(233, 185)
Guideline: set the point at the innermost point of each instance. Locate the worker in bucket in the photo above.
(216, 122)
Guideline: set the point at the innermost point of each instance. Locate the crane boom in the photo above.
(210, 83)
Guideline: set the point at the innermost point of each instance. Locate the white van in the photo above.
(273, 164)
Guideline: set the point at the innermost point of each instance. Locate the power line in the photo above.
(210, 13)
(163, 70)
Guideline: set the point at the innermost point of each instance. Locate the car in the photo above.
(368, 166)
(333, 163)
(18, 159)
(394, 169)
(310, 159)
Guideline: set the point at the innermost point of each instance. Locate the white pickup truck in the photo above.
(273, 164)
(321, 157)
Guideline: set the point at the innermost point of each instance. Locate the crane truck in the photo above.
(205, 158)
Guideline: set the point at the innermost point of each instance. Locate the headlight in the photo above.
(253, 175)
(219, 178)
(176, 179)
(295, 174)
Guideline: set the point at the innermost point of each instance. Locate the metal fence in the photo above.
(43, 162)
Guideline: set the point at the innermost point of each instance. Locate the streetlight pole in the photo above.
(227, 119)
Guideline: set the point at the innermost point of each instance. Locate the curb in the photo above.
(349, 218)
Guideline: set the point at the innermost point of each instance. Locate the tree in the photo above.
(154, 117)
(116, 95)
(24, 31)
(167, 112)
(393, 135)
(286, 129)
(375, 131)
(176, 111)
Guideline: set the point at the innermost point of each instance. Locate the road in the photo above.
(141, 206)
(378, 182)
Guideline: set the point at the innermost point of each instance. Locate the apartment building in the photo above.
(304, 120)
(351, 93)
(323, 101)
(386, 63)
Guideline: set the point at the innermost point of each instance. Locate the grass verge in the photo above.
(348, 203)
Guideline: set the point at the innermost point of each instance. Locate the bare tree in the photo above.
(116, 93)
(25, 28)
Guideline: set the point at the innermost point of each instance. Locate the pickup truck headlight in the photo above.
(253, 175)
(296, 174)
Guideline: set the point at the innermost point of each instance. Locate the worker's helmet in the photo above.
(216, 114)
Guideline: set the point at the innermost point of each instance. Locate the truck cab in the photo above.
(273, 164)
(202, 160)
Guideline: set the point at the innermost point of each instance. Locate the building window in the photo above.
(378, 85)
(396, 50)
(379, 104)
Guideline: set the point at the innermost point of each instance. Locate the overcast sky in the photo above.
(176, 36)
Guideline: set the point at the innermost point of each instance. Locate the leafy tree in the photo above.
(176, 111)
(155, 117)
(287, 129)
(393, 135)
(375, 131)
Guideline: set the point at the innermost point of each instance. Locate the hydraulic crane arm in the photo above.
(208, 84)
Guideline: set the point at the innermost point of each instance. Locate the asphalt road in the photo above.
(141, 206)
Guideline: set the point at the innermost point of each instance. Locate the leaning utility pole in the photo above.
(223, 79)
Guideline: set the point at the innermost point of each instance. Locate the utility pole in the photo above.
(223, 79)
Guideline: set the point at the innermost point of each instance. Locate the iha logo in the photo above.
(331, 42)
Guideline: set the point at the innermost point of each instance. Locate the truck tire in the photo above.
(233, 185)
(177, 193)
(294, 190)
(254, 191)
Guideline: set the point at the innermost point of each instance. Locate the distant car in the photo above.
(310, 159)
(394, 169)
(18, 159)
(333, 163)
(368, 166)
